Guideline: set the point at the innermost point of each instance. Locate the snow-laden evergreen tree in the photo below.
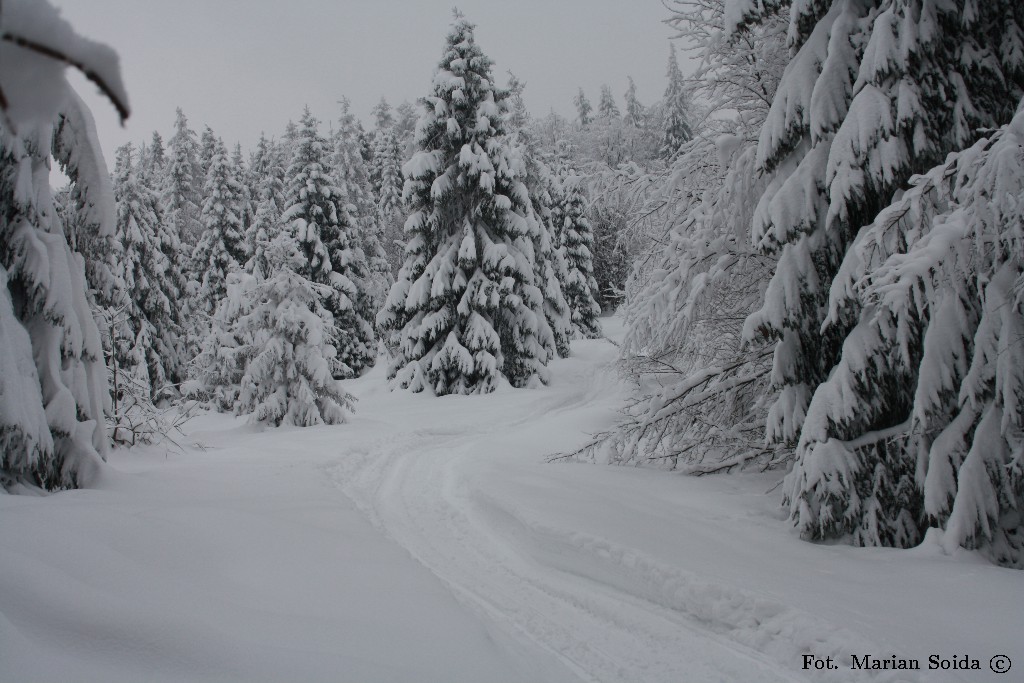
(246, 202)
(388, 161)
(518, 115)
(583, 108)
(52, 376)
(390, 210)
(634, 110)
(938, 280)
(152, 163)
(148, 346)
(677, 110)
(288, 141)
(209, 145)
(327, 237)
(288, 379)
(382, 116)
(267, 165)
(182, 187)
(607, 109)
(383, 120)
(221, 250)
(575, 243)
(466, 304)
(225, 347)
(354, 191)
(265, 225)
(876, 91)
(550, 268)
(266, 180)
(406, 115)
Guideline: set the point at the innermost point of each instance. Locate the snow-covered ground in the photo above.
(429, 540)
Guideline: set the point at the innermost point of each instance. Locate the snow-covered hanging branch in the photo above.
(36, 44)
(53, 388)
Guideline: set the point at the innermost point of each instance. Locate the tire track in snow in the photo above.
(606, 611)
(598, 634)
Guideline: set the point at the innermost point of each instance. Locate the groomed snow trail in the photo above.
(438, 484)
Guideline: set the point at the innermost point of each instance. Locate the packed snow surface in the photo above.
(429, 540)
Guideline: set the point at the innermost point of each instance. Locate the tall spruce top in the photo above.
(465, 98)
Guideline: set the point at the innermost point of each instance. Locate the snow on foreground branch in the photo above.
(53, 384)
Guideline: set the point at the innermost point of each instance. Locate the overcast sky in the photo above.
(245, 66)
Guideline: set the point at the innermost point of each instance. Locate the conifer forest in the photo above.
(718, 383)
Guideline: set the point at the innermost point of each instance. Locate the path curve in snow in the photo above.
(608, 612)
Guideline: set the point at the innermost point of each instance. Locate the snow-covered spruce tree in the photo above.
(266, 182)
(209, 146)
(147, 347)
(875, 92)
(677, 111)
(152, 160)
(938, 279)
(583, 108)
(382, 116)
(575, 244)
(355, 192)
(634, 110)
(246, 201)
(606, 107)
(226, 346)
(221, 249)
(288, 141)
(466, 304)
(406, 115)
(182, 186)
(266, 163)
(52, 377)
(327, 237)
(385, 174)
(288, 379)
(381, 152)
(550, 269)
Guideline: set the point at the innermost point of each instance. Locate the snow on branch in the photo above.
(35, 39)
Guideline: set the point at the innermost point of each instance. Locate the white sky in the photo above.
(249, 66)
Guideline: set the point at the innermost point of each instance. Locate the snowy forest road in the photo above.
(427, 488)
(462, 484)
(429, 540)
